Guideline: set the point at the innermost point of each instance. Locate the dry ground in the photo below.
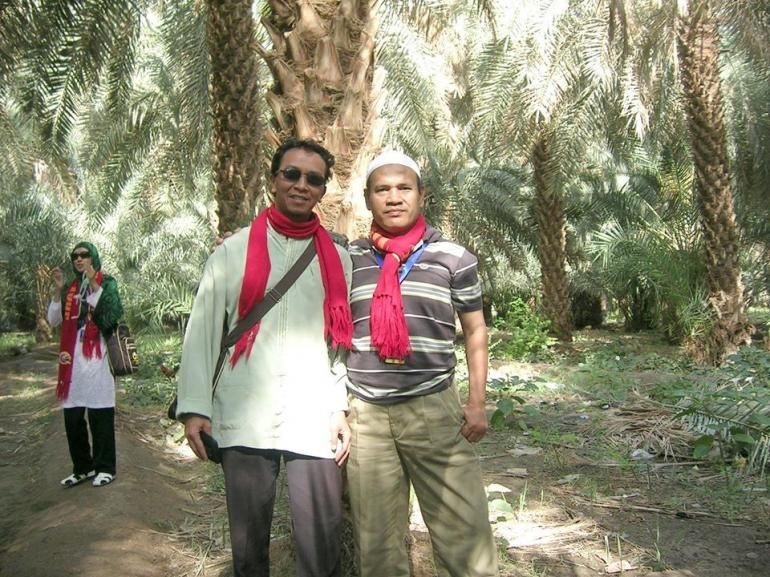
(570, 514)
(129, 528)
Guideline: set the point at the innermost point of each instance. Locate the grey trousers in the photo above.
(315, 501)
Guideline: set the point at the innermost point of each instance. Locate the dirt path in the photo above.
(122, 529)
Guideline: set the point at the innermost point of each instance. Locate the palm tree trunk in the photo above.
(551, 245)
(322, 65)
(234, 93)
(42, 282)
(698, 47)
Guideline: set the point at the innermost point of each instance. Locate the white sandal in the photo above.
(74, 479)
(103, 479)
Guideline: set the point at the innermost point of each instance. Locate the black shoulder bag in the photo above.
(270, 299)
(121, 350)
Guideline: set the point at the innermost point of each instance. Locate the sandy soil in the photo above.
(589, 509)
(123, 529)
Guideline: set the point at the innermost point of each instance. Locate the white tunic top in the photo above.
(92, 385)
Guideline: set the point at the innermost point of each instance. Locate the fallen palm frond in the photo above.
(545, 537)
(645, 424)
(739, 419)
(556, 535)
(204, 539)
(731, 409)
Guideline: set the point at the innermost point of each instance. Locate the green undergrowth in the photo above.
(149, 386)
(15, 340)
(730, 408)
(726, 408)
(520, 333)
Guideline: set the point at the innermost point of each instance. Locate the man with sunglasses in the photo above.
(280, 395)
(407, 421)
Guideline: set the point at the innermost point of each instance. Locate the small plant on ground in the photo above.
(731, 410)
(525, 332)
(508, 392)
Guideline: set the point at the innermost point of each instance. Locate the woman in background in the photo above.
(88, 310)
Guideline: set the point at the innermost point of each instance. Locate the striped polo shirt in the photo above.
(443, 280)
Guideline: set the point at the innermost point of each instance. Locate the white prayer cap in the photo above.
(392, 157)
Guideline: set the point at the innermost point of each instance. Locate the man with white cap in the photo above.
(408, 424)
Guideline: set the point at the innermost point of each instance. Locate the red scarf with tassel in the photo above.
(69, 335)
(337, 318)
(390, 334)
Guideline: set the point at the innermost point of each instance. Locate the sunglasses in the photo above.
(312, 178)
(77, 255)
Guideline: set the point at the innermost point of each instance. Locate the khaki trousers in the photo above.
(417, 441)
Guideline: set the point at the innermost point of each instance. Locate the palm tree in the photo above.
(63, 51)
(642, 231)
(551, 241)
(235, 105)
(698, 47)
(73, 50)
(135, 168)
(538, 97)
(686, 34)
(145, 171)
(321, 58)
(479, 194)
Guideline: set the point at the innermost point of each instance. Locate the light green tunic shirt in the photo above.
(283, 395)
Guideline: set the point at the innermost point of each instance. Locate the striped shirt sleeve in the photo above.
(465, 284)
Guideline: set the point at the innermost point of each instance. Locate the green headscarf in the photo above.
(95, 260)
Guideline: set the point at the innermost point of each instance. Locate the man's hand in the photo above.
(475, 425)
(340, 437)
(193, 425)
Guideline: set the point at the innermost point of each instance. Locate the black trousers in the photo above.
(315, 501)
(102, 424)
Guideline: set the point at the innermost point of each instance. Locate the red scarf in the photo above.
(69, 334)
(390, 334)
(337, 318)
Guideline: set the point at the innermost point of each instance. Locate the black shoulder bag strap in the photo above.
(270, 299)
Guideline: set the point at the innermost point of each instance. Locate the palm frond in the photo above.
(15, 35)
(735, 410)
(77, 43)
(414, 101)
